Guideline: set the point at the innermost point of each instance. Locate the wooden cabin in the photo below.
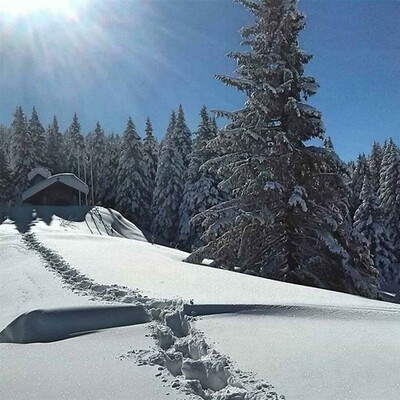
(64, 189)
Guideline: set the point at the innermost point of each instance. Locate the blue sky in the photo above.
(110, 59)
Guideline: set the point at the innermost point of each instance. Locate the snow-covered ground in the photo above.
(90, 275)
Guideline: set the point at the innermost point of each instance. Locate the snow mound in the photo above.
(83, 220)
(53, 325)
(112, 223)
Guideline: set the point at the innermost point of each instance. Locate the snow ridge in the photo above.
(42, 326)
(180, 351)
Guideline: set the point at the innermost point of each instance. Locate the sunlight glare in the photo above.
(23, 7)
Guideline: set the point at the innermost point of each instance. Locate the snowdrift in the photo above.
(83, 220)
(52, 325)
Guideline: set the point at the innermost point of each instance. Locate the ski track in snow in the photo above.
(181, 353)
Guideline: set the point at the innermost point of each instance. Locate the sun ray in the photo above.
(18, 8)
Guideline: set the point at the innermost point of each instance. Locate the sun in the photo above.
(23, 7)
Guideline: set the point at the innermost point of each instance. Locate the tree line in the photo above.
(158, 186)
(254, 196)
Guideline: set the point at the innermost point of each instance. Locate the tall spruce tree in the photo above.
(5, 140)
(75, 148)
(110, 177)
(5, 182)
(21, 155)
(96, 163)
(374, 163)
(182, 134)
(131, 176)
(389, 191)
(370, 222)
(283, 220)
(150, 153)
(55, 154)
(38, 139)
(360, 172)
(169, 187)
(201, 186)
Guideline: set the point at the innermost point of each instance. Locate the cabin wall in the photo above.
(57, 194)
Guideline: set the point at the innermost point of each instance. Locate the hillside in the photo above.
(118, 317)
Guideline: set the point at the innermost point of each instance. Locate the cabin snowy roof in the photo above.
(45, 173)
(67, 179)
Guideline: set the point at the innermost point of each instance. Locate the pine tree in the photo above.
(169, 186)
(55, 148)
(110, 177)
(75, 148)
(283, 221)
(183, 140)
(360, 172)
(201, 186)
(370, 222)
(5, 140)
(150, 153)
(21, 155)
(374, 163)
(131, 176)
(389, 191)
(96, 164)
(38, 139)
(5, 181)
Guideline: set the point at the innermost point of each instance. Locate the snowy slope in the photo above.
(25, 284)
(308, 343)
(84, 367)
(159, 272)
(314, 354)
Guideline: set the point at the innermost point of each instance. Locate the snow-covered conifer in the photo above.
(131, 176)
(169, 187)
(374, 163)
(38, 139)
(5, 181)
(5, 140)
(75, 149)
(55, 148)
(96, 153)
(110, 178)
(389, 191)
(201, 186)
(150, 154)
(283, 221)
(183, 140)
(21, 155)
(370, 222)
(360, 172)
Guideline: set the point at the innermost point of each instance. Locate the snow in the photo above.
(225, 334)
(159, 272)
(297, 198)
(44, 172)
(86, 367)
(26, 285)
(97, 221)
(314, 354)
